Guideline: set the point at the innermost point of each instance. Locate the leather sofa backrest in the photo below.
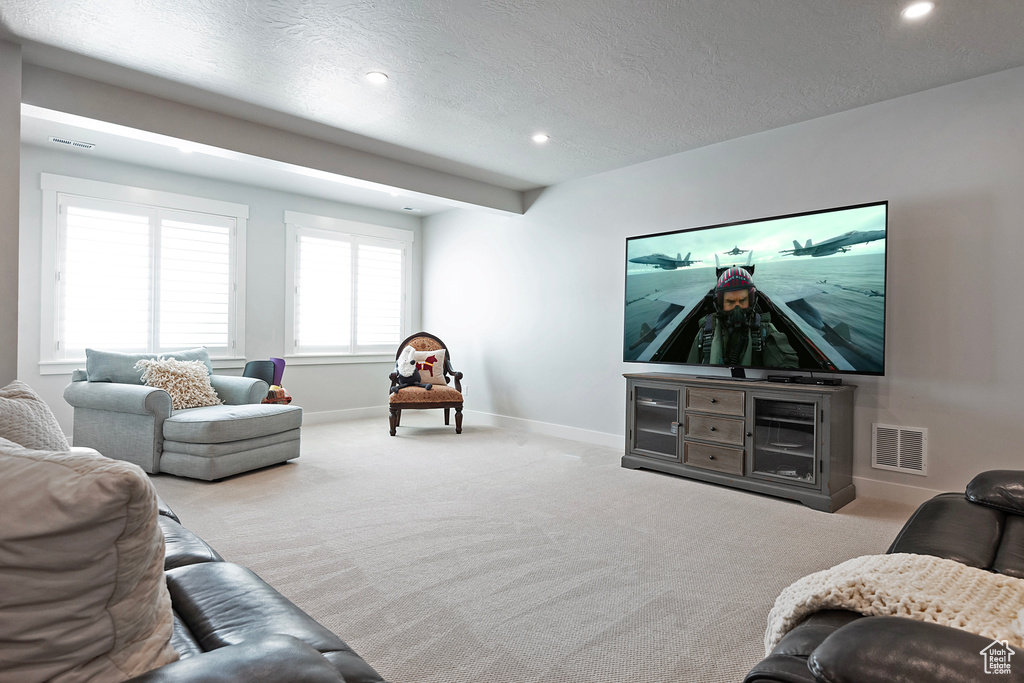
(951, 526)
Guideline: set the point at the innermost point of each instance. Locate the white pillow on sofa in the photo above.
(81, 566)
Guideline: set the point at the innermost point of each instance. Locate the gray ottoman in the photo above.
(219, 441)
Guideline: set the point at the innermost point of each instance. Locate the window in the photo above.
(139, 271)
(348, 284)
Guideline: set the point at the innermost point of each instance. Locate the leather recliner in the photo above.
(983, 528)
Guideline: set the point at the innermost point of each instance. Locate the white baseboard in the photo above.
(866, 488)
(325, 416)
(475, 417)
(898, 493)
(546, 428)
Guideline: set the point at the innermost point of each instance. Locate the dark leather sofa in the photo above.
(230, 625)
(984, 528)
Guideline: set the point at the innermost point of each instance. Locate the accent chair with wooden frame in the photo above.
(440, 395)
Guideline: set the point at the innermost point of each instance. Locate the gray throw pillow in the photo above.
(83, 594)
(26, 420)
(111, 366)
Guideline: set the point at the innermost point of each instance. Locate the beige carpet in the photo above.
(500, 555)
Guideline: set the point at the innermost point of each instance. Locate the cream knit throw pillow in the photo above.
(187, 381)
(918, 587)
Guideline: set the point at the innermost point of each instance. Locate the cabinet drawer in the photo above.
(728, 460)
(721, 401)
(718, 429)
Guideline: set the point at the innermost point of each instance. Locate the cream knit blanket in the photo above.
(920, 587)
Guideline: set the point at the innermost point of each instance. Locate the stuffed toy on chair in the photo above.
(408, 375)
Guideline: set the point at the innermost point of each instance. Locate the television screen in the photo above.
(802, 292)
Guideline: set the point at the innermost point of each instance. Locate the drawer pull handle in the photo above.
(711, 457)
(713, 429)
(714, 400)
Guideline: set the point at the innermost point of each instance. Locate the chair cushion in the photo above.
(81, 568)
(110, 366)
(437, 394)
(219, 424)
(26, 420)
(431, 366)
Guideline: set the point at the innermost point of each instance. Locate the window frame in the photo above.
(56, 187)
(356, 233)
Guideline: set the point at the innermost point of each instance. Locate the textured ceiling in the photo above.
(613, 82)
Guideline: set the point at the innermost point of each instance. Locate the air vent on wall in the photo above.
(902, 449)
(72, 143)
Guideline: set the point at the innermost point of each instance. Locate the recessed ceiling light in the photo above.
(541, 138)
(917, 10)
(377, 77)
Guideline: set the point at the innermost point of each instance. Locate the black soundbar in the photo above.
(799, 379)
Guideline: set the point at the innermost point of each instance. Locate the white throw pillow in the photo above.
(83, 593)
(431, 366)
(26, 420)
(187, 381)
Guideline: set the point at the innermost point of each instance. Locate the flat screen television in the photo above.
(810, 289)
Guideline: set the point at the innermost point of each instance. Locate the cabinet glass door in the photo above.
(657, 421)
(785, 434)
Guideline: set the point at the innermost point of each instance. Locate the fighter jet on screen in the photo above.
(736, 251)
(835, 245)
(665, 262)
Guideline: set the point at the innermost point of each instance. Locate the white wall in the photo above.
(324, 391)
(10, 133)
(532, 306)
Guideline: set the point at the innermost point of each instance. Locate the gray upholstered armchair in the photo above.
(122, 418)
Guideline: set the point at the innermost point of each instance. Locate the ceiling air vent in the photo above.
(72, 143)
(902, 449)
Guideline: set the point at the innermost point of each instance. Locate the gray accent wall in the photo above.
(532, 306)
(10, 135)
(333, 391)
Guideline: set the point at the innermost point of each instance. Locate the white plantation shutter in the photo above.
(195, 283)
(379, 301)
(131, 277)
(323, 294)
(349, 290)
(105, 277)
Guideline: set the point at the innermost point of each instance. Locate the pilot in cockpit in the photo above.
(737, 334)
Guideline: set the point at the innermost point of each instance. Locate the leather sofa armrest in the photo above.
(1000, 489)
(236, 391)
(267, 660)
(886, 649)
(119, 398)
